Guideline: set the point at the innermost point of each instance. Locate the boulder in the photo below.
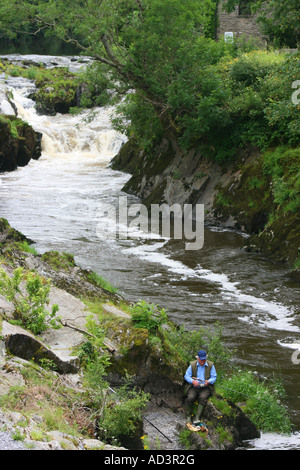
(225, 430)
(19, 143)
(21, 343)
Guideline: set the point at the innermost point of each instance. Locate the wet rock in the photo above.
(237, 195)
(19, 143)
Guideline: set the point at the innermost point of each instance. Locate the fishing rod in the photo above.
(148, 421)
(157, 429)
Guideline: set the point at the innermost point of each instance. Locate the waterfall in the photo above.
(84, 135)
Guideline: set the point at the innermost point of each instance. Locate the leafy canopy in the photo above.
(150, 46)
(138, 39)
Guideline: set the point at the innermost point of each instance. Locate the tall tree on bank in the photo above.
(138, 44)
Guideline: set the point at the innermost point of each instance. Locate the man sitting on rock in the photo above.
(200, 375)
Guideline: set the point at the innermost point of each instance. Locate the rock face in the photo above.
(19, 143)
(236, 195)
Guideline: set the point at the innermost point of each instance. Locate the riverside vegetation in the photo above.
(118, 338)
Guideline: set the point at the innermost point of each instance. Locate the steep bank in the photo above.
(41, 373)
(254, 193)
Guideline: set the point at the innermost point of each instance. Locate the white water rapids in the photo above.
(55, 201)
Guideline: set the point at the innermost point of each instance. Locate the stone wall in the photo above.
(240, 25)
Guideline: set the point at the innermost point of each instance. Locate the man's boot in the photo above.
(188, 413)
(198, 414)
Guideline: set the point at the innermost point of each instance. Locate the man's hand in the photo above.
(196, 383)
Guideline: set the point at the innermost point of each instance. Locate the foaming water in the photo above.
(56, 202)
(277, 316)
(271, 441)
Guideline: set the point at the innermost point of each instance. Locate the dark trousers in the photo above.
(200, 394)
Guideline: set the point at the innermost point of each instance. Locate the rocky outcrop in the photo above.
(19, 143)
(236, 427)
(236, 195)
(154, 367)
(21, 343)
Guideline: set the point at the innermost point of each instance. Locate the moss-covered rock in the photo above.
(56, 91)
(19, 143)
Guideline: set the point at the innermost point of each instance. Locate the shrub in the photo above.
(124, 413)
(30, 302)
(283, 166)
(148, 316)
(187, 344)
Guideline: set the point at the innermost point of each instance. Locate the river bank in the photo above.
(254, 193)
(237, 195)
(150, 362)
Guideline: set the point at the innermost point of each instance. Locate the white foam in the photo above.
(272, 441)
(269, 314)
(293, 345)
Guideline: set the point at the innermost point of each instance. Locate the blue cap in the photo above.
(202, 354)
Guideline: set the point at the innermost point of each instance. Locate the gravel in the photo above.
(8, 443)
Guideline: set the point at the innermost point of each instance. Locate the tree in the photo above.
(279, 19)
(138, 44)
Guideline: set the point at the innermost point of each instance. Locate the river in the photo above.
(57, 201)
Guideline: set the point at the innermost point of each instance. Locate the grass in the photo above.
(59, 261)
(45, 395)
(24, 246)
(100, 281)
(262, 402)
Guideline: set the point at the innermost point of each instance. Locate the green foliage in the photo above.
(263, 401)
(297, 263)
(123, 414)
(54, 87)
(137, 119)
(279, 20)
(283, 164)
(148, 316)
(118, 412)
(24, 246)
(30, 305)
(187, 343)
(100, 281)
(59, 261)
(281, 113)
(207, 94)
(95, 383)
(14, 125)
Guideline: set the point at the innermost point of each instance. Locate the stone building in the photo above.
(238, 23)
